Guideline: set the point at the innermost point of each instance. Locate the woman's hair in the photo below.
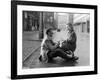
(70, 26)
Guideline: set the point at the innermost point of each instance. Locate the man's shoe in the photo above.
(40, 58)
(72, 58)
(69, 52)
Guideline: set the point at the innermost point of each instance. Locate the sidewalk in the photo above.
(30, 35)
(30, 47)
(82, 51)
(31, 43)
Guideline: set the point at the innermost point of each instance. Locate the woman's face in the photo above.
(70, 27)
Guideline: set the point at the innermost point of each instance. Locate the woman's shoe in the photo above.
(74, 58)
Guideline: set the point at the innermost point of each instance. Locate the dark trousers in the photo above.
(57, 52)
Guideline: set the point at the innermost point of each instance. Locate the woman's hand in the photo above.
(57, 45)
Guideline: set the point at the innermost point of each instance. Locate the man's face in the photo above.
(50, 34)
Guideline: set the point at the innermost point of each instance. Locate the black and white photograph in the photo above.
(54, 39)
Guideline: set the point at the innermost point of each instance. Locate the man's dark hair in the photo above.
(48, 30)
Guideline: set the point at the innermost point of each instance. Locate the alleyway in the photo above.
(31, 50)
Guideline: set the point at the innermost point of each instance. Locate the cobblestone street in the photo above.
(31, 51)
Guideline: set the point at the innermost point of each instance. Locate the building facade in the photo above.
(41, 21)
(82, 23)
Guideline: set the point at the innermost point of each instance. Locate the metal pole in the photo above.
(41, 25)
